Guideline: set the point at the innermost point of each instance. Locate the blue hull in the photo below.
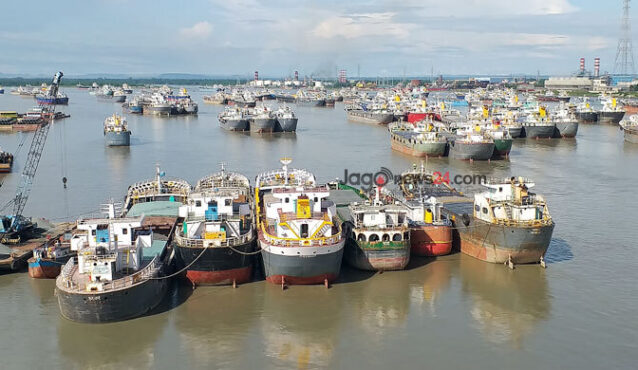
(51, 101)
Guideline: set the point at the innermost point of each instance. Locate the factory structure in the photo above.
(591, 81)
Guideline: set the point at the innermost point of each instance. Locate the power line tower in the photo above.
(624, 64)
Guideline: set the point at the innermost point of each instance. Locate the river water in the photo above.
(451, 312)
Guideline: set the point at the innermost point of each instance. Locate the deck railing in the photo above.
(183, 241)
(68, 271)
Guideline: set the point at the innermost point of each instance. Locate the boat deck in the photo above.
(156, 208)
(343, 197)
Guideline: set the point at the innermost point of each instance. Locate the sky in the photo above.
(276, 37)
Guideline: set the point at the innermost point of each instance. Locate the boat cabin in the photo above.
(108, 246)
(510, 202)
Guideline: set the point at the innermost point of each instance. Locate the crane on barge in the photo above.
(14, 226)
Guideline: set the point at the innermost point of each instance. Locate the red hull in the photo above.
(431, 240)
(44, 272)
(238, 276)
(296, 280)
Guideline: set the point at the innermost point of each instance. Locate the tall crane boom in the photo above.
(33, 159)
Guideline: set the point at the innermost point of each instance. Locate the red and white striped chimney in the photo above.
(596, 67)
(582, 65)
(256, 75)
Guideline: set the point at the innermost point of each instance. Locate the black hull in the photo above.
(210, 268)
(111, 306)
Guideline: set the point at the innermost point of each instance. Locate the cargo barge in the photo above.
(299, 234)
(505, 224)
(377, 235)
(216, 241)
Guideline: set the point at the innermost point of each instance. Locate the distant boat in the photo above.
(116, 132)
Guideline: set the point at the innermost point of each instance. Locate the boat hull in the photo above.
(261, 125)
(515, 132)
(369, 117)
(377, 256)
(539, 131)
(286, 125)
(430, 240)
(45, 268)
(432, 149)
(117, 138)
(113, 305)
(119, 98)
(497, 243)
(52, 101)
(311, 102)
(234, 125)
(566, 129)
(502, 148)
(135, 109)
(587, 117)
(217, 265)
(471, 151)
(631, 135)
(160, 110)
(303, 268)
(611, 118)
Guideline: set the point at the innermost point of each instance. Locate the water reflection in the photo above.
(300, 326)
(382, 302)
(506, 304)
(128, 343)
(214, 322)
(433, 281)
(43, 289)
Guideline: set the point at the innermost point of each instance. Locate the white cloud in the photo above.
(361, 25)
(200, 30)
(490, 8)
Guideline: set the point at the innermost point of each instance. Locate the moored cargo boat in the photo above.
(261, 120)
(506, 223)
(47, 260)
(471, 146)
(286, 120)
(299, 236)
(116, 132)
(233, 119)
(420, 141)
(377, 235)
(118, 273)
(216, 241)
(377, 116)
(610, 113)
(430, 232)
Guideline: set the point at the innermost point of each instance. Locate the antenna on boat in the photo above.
(158, 174)
(285, 161)
(223, 172)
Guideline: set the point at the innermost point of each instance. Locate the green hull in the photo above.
(378, 256)
(502, 147)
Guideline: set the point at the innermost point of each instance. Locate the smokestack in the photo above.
(596, 67)
(582, 65)
(256, 75)
(296, 75)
